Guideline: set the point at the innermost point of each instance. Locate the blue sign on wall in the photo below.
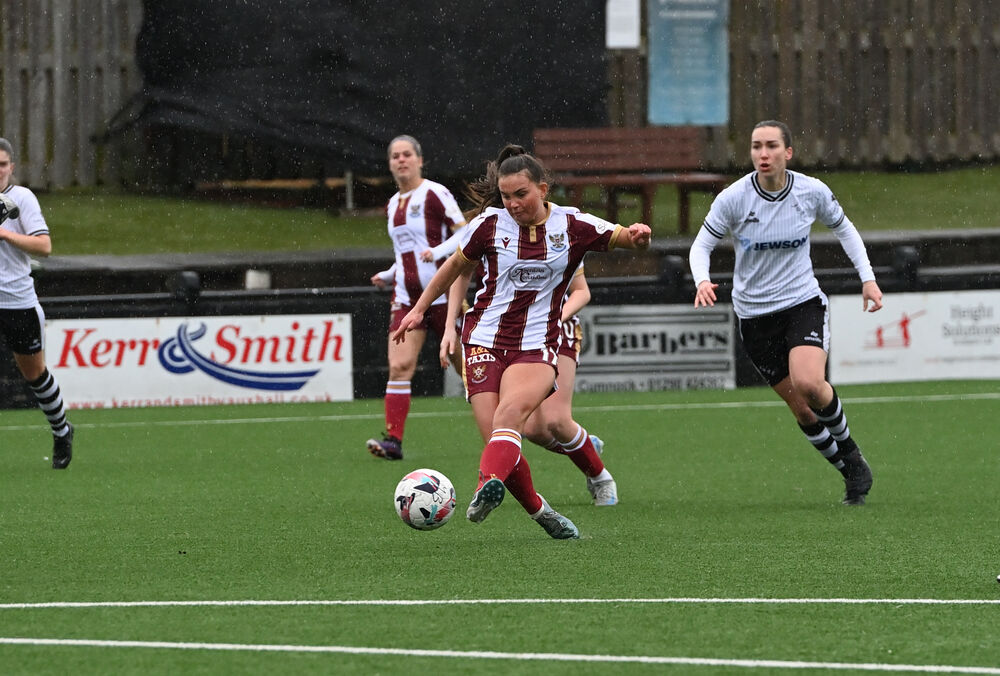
(688, 62)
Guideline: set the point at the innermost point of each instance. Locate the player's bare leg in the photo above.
(552, 427)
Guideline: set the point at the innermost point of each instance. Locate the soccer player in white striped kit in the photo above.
(783, 315)
(24, 233)
(530, 250)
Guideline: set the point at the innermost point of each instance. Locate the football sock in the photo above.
(834, 419)
(554, 446)
(500, 456)
(521, 487)
(583, 454)
(605, 475)
(397, 407)
(502, 459)
(49, 396)
(820, 437)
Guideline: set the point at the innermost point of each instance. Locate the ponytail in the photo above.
(485, 191)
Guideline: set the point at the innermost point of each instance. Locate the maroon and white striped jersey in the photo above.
(526, 273)
(418, 220)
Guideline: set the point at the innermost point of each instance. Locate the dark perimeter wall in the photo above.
(336, 81)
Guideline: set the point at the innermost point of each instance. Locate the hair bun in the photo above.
(510, 150)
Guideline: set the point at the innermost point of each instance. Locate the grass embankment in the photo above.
(101, 222)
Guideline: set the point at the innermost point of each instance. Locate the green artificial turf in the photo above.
(722, 501)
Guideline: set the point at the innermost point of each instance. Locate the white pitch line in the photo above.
(491, 655)
(458, 602)
(463, 411)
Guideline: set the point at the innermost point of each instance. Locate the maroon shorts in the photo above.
(434, 318)
(571, 339)
(484, 366)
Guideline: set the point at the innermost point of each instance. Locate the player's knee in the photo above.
(512, 414)
(811, 389)
(564, 430)
(402, 369)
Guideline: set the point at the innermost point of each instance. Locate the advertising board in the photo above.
(944, 335)
(188, 361)
(656, 347)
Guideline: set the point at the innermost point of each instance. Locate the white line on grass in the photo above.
(463, 411)
(491, 655)
(456, 602)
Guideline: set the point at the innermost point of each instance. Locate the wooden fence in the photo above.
(868, 83)
(862, 83)
(67, 67)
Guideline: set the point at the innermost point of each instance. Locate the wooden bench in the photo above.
(280, 192)
(621, 160)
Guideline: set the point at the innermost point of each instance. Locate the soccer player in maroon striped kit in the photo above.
(553, 419)
(530, 250)
(421, 217)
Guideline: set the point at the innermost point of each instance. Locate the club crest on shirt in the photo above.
(415, 209)
(557, 241)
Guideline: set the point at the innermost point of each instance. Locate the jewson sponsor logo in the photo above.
(771, 246)
(750, 245)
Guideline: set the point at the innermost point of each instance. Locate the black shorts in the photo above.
(22, 329)
(769, 338)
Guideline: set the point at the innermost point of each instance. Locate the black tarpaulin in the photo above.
(337, 80)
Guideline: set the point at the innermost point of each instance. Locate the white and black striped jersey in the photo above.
(17, 288)
(773, 269)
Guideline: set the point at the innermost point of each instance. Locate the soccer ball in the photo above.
(425, 499)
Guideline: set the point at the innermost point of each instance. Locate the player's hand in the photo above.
(378, 281)
(705, 295)
(870, 293)
(448, 343)
(413, 320)
(427, 256)
(640, 235)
